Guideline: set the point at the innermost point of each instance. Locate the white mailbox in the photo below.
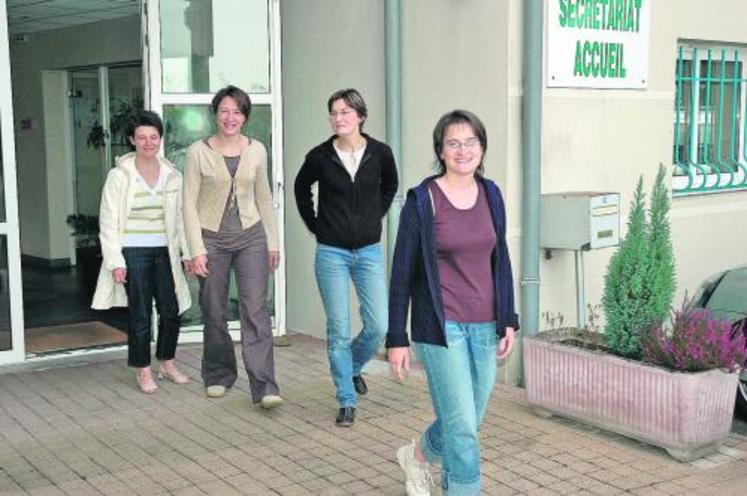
(580, 220)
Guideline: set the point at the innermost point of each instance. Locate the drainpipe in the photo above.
(531, 137)
(393, 115)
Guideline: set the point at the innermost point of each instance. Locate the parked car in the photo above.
(725, 294)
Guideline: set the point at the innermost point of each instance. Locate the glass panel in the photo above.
(719, 101)
(2, 183)
(185, 124)
(207, 44)
(5, 334)
(89, 140)
(728, 298)
(683, 113)
(125, 98)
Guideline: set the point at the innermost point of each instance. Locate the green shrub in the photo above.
(639, 284)
(662, 278)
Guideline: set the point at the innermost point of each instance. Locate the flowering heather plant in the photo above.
(698, 340)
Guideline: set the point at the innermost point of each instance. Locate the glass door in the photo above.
(11, 308)
(193, 48)
(89, 139)
(102, 99)
(124, 91)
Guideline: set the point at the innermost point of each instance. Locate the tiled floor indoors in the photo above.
(84, 429)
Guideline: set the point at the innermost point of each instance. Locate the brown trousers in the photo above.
(250, 263)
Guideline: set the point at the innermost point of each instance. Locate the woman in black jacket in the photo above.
(357, 181)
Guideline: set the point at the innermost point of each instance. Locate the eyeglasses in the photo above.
(469, 144)
(342, 113)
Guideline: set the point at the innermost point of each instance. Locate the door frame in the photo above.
(10, 227)
(155, 99)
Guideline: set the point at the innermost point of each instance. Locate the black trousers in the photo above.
(149, 276)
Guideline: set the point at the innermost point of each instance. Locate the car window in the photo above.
(730, 296)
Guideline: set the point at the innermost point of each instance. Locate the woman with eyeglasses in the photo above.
(452, 263)
(230, 225)
(357, 180)
(142, 243)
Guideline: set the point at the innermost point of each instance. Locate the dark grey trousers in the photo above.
(250, 264)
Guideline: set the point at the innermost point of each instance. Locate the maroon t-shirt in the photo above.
(465, 240)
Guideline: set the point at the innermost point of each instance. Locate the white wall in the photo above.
(454, 55)
(58, 151)
(42, 223)
(602, 140)
(327, 45)
(470, 55)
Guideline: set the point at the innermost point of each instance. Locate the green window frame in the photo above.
(709, 153)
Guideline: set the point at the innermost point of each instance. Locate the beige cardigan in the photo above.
(207, 184)
(116, 203)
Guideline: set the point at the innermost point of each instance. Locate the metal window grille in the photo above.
(709, 126)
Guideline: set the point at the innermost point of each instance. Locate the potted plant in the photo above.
(628, 380)
(122, 112)
(87, 247)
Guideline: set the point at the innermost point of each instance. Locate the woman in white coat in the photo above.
(142, 242)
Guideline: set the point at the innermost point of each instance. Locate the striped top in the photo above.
(145, 224)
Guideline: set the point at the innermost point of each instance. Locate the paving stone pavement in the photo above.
(83, 429)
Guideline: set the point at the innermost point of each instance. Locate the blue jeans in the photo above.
(334, 269)
(460, 378)
(149, 277)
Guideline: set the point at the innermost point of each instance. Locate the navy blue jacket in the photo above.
(415, 272)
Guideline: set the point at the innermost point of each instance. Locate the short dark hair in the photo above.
(453, 118)
(353, 99)
(143, 118)
(239, 96)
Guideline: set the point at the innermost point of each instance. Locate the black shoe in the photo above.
(360, 384)
(345, 417)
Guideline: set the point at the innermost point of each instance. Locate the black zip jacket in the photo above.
(348, 212)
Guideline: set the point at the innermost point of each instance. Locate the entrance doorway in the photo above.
(57, 299)
(75, 70)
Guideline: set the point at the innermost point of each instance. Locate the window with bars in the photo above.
(709, 125)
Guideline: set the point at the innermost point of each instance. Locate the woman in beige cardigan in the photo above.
(230, 224)
(142, 242)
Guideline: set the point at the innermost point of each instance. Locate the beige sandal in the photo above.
(146, 383)
(174, 376)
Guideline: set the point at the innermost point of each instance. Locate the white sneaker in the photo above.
(419, 480)
(271, 401)
(215, 391)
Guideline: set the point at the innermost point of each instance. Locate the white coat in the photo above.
(116, 203)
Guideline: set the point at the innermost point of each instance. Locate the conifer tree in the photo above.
(625, 290)
(662, 277)
(639, 285)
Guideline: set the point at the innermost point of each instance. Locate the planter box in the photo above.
(688, 414)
